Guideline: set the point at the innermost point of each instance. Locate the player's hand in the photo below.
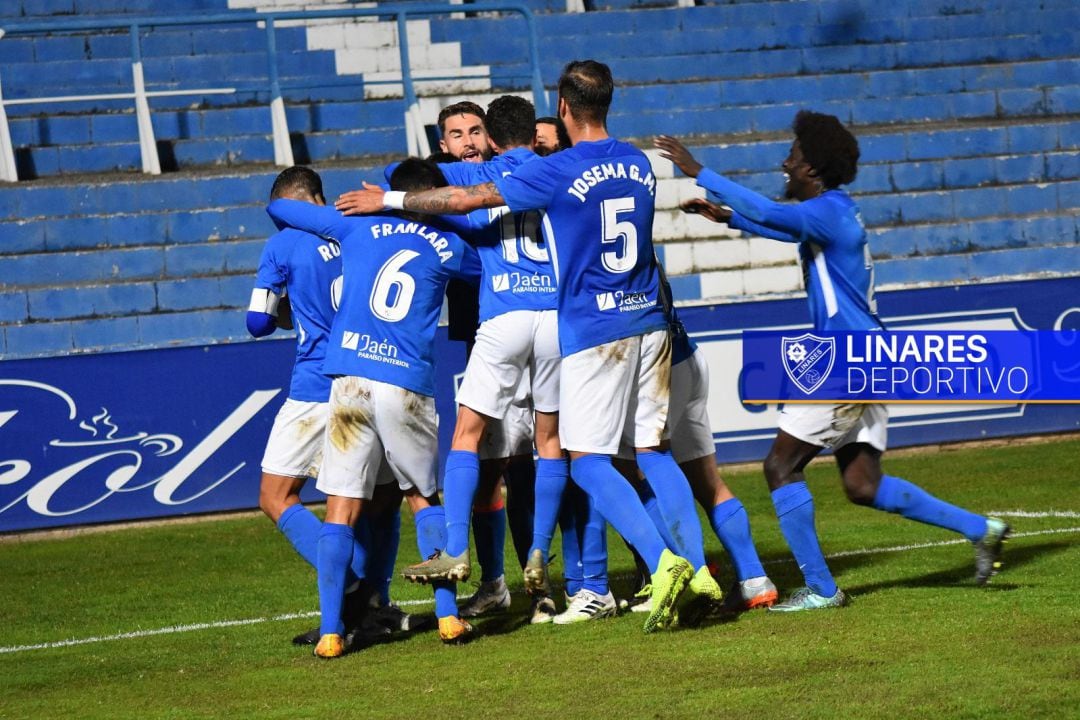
(710, 210)
(361, 202)
(676, 152)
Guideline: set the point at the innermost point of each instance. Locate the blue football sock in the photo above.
(489, 529)
(301, 527)
(898, 496)
(431, 536)
(573, 569)
(381, 536)
(621, 506)
(648, 501)
(676, 502)
(520, 478)
(795, 510)
(336, 545)
(732, 526)
(594, 554)
(551, 477)
(460, 480)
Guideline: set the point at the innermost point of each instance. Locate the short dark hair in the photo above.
(511, 121)
(829, 147)
(297, 180)
(587, 87)
(416, 174)
(459, 108)
(560, 130)
(441, 157)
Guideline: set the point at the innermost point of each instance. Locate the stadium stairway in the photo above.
(968, 115)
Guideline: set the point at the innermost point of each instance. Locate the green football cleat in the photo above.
(988, 550)
(440, 566)
(806, 599)
(669, 581)
(702, 594)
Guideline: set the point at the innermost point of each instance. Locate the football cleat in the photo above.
(311, 637)
(536, 574)
(587, 605)
(455, 631)
(669, 582)
(642, 600)
(988, 550)
(806, 599)
(543, 610)
(759, 592)
(491, 596)
(394, 619)
(702, 594)
(440, 566)
(330, 646)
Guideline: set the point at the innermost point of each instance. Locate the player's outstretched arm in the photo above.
(720, 214)
(452, 200)
(315, 219)
(673, 150)
(709, 210)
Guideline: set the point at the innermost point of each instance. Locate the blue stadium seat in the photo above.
(990, 187)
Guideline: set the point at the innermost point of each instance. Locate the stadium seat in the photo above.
(964, 111)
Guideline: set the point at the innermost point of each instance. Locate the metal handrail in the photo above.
(416, 135)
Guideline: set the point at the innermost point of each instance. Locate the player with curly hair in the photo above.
(838, 273)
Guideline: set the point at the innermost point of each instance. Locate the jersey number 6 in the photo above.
(391, 281)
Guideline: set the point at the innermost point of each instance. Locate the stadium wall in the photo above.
(156, 433)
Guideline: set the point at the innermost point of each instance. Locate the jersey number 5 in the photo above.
(613, 230)
(393, 292)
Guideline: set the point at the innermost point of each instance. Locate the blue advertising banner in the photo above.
(744, 430)
(122, 436)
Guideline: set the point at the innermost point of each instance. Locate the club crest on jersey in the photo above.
(807, 360)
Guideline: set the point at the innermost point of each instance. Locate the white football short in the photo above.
(369, 420)
(834, 426)
(616, 394)
(506, 347)
(295, 446)
(513, 435)
(691, 431)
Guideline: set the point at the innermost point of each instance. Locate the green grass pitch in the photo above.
(186, 620)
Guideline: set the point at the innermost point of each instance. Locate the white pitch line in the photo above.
(297, 615)
(1031, 514)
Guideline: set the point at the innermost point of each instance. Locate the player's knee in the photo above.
(275, 496)
(859, 489)
(777, 469)
(271, 504)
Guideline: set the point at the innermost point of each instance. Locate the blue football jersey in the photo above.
(395, 272)
(517, 267)
(599, 201)
(307, 266)
(682, 346)
(837, 268)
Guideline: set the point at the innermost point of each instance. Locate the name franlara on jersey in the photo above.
(369, 348)
(624, 301)
(518, 283)
(610, 171)
(438, 243)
